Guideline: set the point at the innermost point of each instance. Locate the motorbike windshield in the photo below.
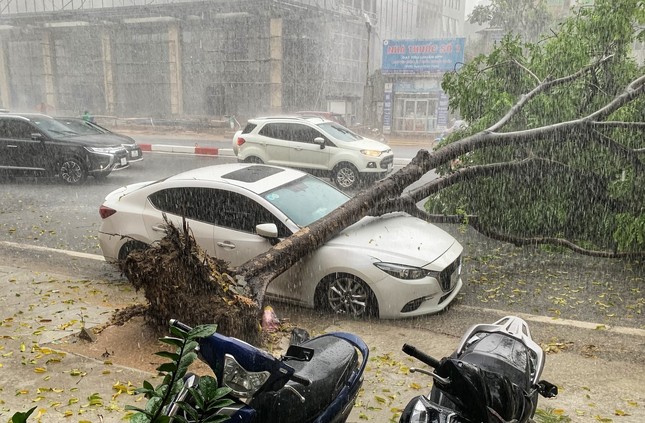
(499, 353)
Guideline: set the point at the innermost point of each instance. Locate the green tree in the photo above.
(584, 184)
(526, 18)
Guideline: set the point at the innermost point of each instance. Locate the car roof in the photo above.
(29, 116)
(256, 178)
(312, 119)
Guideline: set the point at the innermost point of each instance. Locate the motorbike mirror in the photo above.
(547, 389)
(297, 352)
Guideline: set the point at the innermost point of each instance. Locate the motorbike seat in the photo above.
(333, 361)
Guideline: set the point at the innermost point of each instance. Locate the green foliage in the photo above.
(205, 399)
(583, 189)
(527, 18)
(550, 415)
(21, 417)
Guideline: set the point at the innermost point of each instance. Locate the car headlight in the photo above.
(110, 150)
(242, 382)
(402, 271)
(372, 153)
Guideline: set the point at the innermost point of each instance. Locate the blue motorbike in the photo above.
(317, 380)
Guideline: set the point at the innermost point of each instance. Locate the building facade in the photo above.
(179, 59)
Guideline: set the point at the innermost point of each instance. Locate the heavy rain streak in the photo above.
(304, 186)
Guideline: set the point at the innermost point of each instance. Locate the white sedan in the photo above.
(391, 266)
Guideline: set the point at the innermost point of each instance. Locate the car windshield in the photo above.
(339, 132)
(306, 200)
(53, 128)
(80, 126)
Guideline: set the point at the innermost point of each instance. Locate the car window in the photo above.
(304, 133)
(274, 130)
(248, 128)
(52, 127)
(217, 207)
(339, 132)
(291, 132)
(16, 129)
(306, 200)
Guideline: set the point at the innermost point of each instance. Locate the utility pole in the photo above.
(368, 91)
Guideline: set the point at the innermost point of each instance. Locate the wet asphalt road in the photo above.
(42, 212)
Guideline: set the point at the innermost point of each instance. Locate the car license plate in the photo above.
(124, 161)
(134, 153)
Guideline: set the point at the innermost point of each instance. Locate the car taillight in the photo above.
(240, 141)
(106, 212)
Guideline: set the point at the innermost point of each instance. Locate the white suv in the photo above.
(314, 144)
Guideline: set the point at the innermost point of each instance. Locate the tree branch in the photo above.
(542, 87)
(633, 90)
(617, 124)
(473, 221)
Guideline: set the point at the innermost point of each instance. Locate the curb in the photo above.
(184, 149)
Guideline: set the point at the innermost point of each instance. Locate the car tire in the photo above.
(346, 294)
(72, 171)
(346, 176)
(129, 247)
(253, 159)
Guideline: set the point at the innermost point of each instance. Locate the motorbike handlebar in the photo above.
(301, 380)
(421, 356)
(176, 323)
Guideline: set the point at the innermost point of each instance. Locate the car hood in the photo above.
(364, 144)
(396, 237)
(101, 140)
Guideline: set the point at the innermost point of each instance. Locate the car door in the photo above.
(277, 143)
(23, 144)
(236, 240)
(304, 152)
(175, 204)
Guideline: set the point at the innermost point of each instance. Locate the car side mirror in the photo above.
(320, 141)
(37, 136)
(267, 230)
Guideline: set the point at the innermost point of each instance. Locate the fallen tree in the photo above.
(601, 125)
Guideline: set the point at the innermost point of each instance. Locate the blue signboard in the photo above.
(423, 56)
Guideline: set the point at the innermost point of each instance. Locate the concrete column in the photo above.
(4, 78)
(108, 73)
(174, 61)
(275, 45)
(49, 77)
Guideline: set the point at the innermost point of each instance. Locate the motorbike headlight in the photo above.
(402, 271)
(372, 153)
(242, 382)
(419, 413)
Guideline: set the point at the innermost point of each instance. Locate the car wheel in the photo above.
(346, 294)
(129, 247)
(346, 176)
(253, 159)
(72, 171)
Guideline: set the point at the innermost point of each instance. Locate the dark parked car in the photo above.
(84, 127)
(38, 144)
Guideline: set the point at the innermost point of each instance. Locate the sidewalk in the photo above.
(39, 310)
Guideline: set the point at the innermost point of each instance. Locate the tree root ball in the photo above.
(180, 281)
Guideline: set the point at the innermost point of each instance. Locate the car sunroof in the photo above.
(252, 173)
